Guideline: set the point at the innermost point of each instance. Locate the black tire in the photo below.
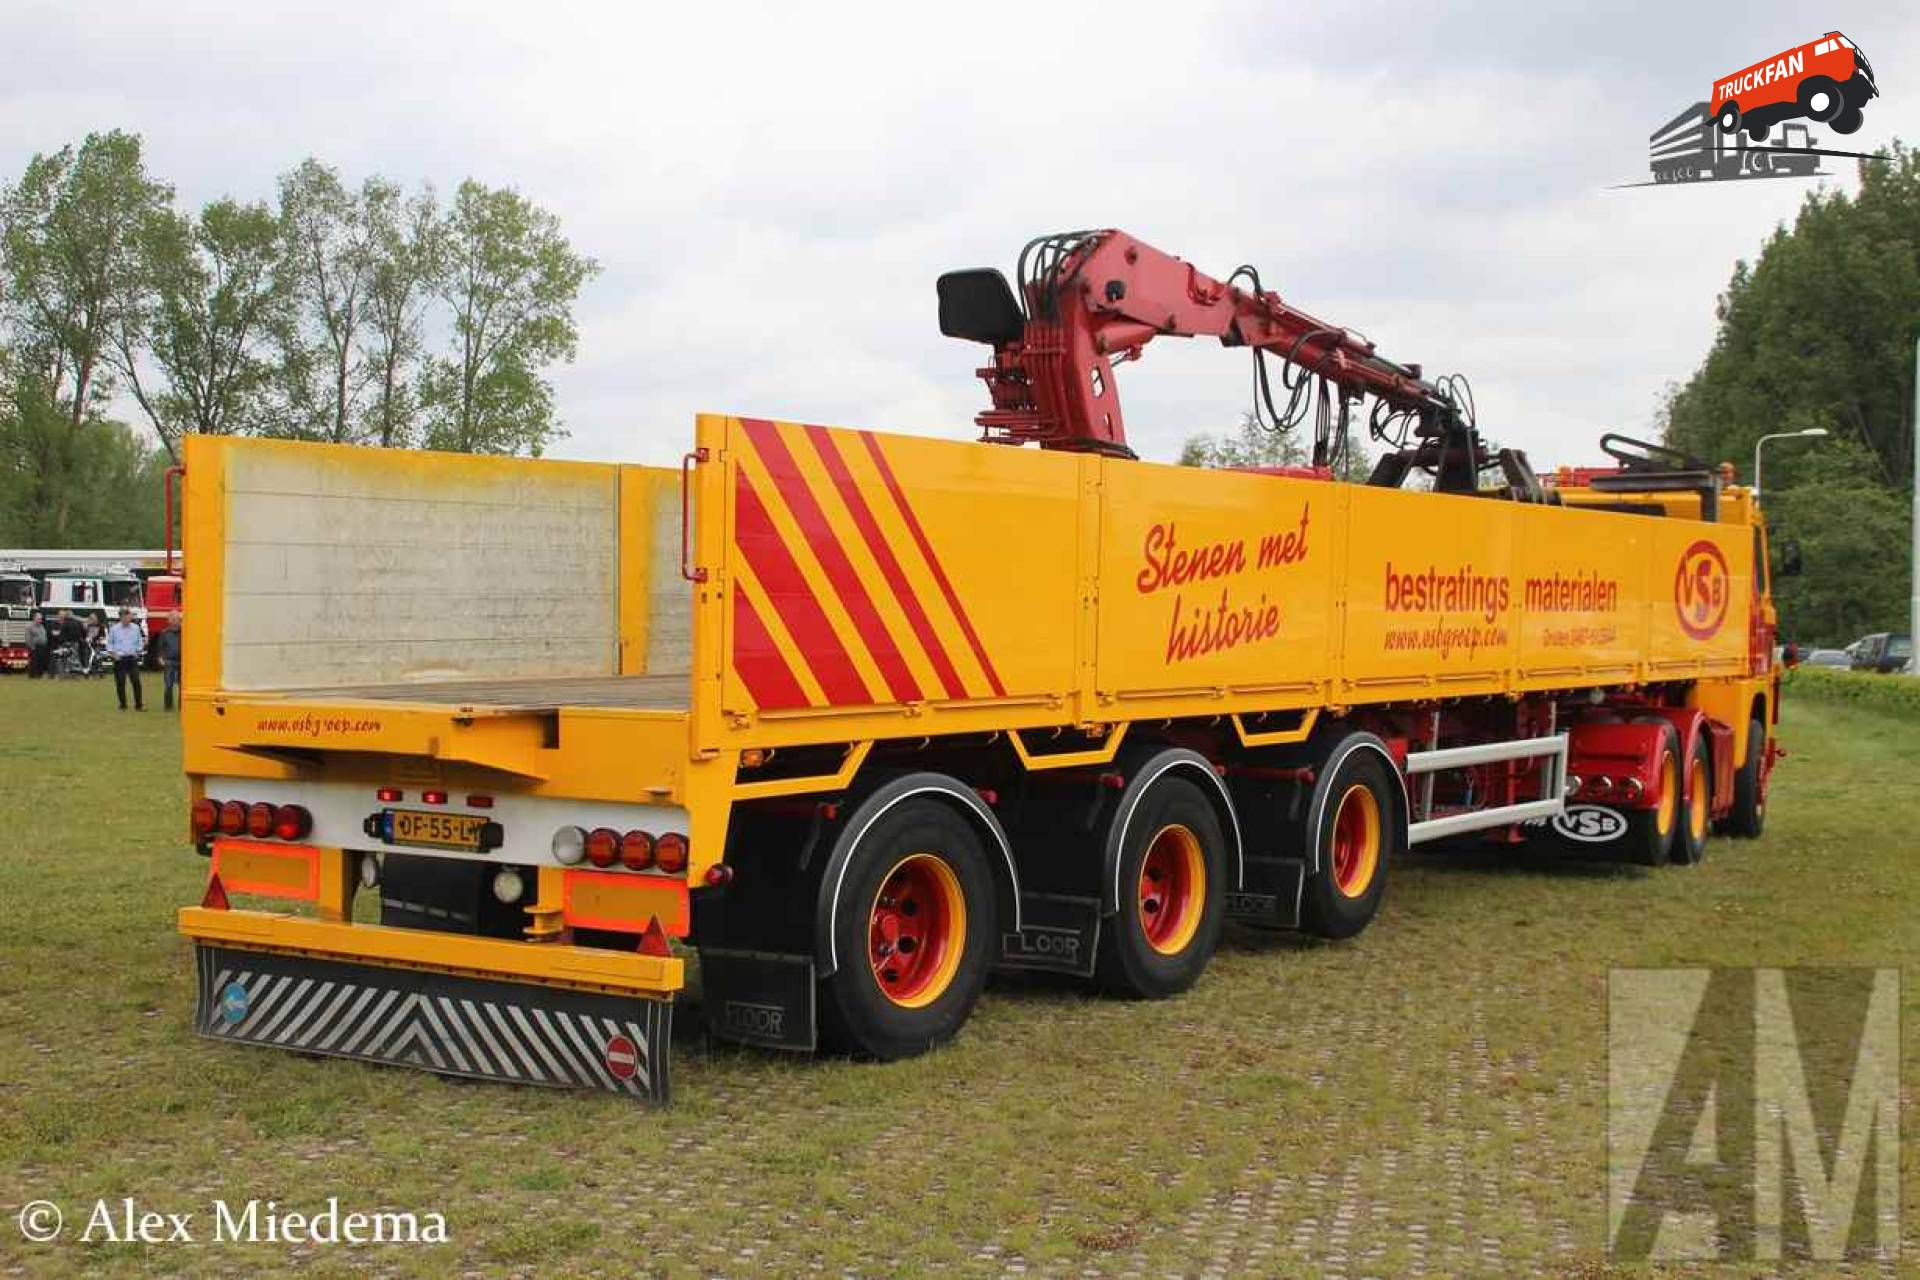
(1748, 817)
(1833, 102)
(1173, 896)
(1848, 121)
(1338, 902)
(1757, 132)
(1696, 811)
(1729, 118)
(1650, 832)
(934, 852)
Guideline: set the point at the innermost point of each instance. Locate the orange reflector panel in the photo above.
(624, 902)
(272, 870)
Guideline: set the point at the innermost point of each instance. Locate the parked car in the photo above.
(1827, 658)
(1884, 651)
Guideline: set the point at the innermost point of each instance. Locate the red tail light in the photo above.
(291, 822)
(390, 795)
(603, 846)
(206, 816)
(670, 852)
(259, 820)
(433, 797)
(636, 850)
(233, 818)
(479, 802)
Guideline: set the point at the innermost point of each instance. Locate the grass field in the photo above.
(1428, 1099)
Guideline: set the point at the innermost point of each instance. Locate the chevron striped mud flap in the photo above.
(487, 1029)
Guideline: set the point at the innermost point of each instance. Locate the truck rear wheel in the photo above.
(1173, 882)
(1650, 832)
(1748, 817)
(1696, 823)
(1355, 841)
(913, 927)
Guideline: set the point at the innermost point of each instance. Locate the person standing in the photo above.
(124, 643)
(166, 647)
(37, 645)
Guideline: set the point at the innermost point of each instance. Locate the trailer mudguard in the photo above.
(1142, 767)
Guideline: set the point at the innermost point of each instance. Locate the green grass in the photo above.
(1429, 1097)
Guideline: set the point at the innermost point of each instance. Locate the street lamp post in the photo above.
(1778, 435)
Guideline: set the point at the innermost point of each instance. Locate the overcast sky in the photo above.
(772, 190)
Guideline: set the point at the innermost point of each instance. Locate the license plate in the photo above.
(437, 830)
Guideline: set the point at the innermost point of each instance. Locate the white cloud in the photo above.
(773, 189)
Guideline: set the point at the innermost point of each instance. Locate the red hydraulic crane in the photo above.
(1094, 299)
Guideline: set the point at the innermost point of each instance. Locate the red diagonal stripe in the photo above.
(889, 565)
(933, 562)
(806, 621)
(792, 485)
(770, 682)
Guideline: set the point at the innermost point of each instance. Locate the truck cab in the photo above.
(18, 597)
(95, 596)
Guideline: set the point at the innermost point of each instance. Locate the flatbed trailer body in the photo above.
(797, 619)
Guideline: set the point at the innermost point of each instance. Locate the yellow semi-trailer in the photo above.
(894, 711)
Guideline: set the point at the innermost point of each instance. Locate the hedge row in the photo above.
(1897, 694)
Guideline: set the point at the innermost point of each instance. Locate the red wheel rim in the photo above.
(1172, 889)
(916, 930)
(1356, 840)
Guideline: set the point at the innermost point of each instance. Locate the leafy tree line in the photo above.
(369, 314)
(1819, 331)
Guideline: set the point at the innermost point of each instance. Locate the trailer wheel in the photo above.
(1748, 817)
(1356, 839)
(913, 925)
(1696, 807)
(1651, 832)
(1173, 882)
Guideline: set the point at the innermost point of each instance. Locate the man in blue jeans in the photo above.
(125, 640)
(166, 647)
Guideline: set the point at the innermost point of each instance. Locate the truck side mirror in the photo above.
(1789, 560)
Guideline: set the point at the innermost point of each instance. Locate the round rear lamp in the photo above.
(259, 820)
(206, 816)
(670, 853)
(603, 846)
(569, 846)
(233, 818)
(636, 851)
(291, 822)
(508, 887)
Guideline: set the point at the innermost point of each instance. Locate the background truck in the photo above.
(858, 717)
(19, 597)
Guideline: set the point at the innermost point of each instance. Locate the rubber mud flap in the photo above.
(480, 1028)
(759, 998)
(1269, 895)
(1059, 933)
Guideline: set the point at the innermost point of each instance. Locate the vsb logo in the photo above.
(1701, 590)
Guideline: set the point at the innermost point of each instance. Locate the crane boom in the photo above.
(1094, 299)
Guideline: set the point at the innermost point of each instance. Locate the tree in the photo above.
(217, 294)
(511, 278)
(330, 262)
(73, 245)
(405, 236)
(1252, 445)
(94, 485)
(1819, 331)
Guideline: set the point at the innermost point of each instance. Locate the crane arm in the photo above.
(1095, 299)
